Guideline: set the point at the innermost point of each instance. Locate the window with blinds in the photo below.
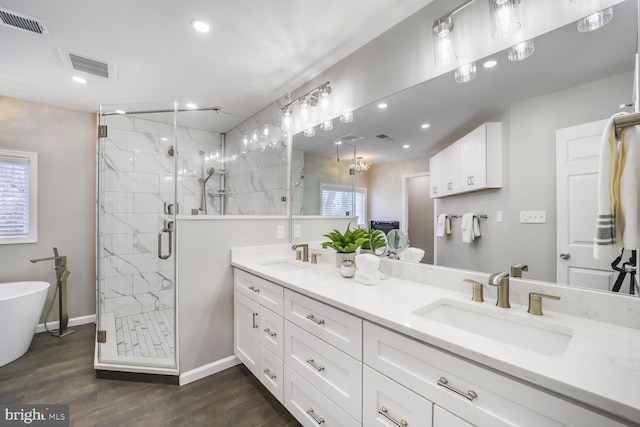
(18, 181)
(338, 201)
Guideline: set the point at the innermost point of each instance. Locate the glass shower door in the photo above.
(136, 262)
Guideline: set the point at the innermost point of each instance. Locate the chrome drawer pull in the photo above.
(269, 374)
(385, 413)
(313, 415)
(254, 289)
(312, 362)
(268, 331)
(470, 395)
(255, 324)
(313, 319)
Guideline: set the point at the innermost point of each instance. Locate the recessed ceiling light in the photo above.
(200, 26)
(406, 146)
(382, 106)
(191, 106)
(425, 125)
(80, 80)
(490, 63)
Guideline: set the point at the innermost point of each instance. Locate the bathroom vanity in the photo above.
(419, 352)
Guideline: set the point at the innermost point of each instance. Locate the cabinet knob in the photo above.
(565, 255)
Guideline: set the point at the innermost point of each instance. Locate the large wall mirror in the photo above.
(572, 78)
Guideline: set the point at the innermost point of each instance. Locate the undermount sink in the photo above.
(530, 334)
(285, 265)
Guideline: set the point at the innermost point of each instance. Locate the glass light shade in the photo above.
(521, 51)
(444, 42)
(304, 110)
(466, 73)
(326, 125)
(595, 20)
(286, 119)
(310, 132)
(347, 117)
(505, 17)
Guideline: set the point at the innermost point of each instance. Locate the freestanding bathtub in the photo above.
(21, 305)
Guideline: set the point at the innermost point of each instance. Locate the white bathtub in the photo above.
(21, 305)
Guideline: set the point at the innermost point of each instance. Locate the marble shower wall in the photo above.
(137, 178)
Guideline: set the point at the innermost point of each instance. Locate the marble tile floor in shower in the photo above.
(148, 334)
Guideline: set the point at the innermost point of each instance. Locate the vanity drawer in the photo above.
(384, 400)
(271, 373)
(310, 407)
(272, 331)
(264, 292)
(500, 401)
(334, 326)
(334, 373)
(447, 419)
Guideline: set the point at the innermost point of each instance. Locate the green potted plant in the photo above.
(375, 240)
(345, 244)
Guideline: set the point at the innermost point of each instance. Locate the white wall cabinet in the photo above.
(472, 163)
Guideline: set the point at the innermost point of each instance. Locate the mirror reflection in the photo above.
(571, 80)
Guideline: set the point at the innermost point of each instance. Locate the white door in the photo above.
(577, 153)
(245, 335)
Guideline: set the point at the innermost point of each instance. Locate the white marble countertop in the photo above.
(601, 366)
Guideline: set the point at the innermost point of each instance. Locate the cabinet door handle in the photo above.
(312, 362)
(269, 374)
(313, 415)
(254, 289)
(313, 319)
(255, 324)
(470, 395)
(268, 331)
(385, 413)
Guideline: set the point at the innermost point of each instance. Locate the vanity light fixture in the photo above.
(309, 132)
(521, 51)
(304, 109)
(444, 37)
(286, 119)
(465, 73)
(318, 95)
(200, 26)
(80, 80)
(595, 20)
(326, 125)
(347, 117)
(505, 17)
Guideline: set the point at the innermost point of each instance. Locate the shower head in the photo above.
(210, 172)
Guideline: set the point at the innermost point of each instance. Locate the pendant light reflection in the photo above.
(595, 20)
(465, 73)
(347, 117)
(361, 165)
(444, 42)
(309, 132)
(326, 125)
(521, 51)
(505, 17)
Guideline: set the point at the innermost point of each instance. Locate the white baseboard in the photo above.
(210, 369)
(82, 320)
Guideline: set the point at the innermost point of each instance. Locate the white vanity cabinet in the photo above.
(259, 330)
(470, 392)
(472, 163)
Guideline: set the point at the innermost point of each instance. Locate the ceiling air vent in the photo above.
(18, 21)
(86, 64)
(384, 136)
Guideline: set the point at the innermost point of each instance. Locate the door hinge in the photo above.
(101, 337)
(102, 131)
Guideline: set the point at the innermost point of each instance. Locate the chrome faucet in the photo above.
(305, 250)
(501, 281)
(516, 270)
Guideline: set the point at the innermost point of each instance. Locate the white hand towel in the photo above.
(443, 226)
(628, 218)
(606, 242)
(476, 227)
(467, 227)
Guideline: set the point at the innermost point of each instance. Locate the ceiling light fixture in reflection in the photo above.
(347, 117)
(444, 43)
(309, 132)
(521, 51)
(326, 125)
(362, 165)
(595, 20)
(465, 73)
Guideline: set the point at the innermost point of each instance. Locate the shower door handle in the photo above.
(168, 228)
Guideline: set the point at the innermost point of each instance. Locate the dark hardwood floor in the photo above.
(60, 371)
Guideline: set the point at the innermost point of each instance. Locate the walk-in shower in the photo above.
(150, 163)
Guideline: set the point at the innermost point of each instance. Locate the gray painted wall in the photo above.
(65, 141)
